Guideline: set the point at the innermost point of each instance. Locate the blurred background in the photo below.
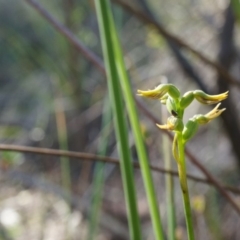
(53, 96)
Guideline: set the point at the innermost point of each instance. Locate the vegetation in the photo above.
(81, 154)
(168, 94)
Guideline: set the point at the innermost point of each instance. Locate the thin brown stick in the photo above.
(164, 32)
(98, 63)
(69, 35)
(93, 157)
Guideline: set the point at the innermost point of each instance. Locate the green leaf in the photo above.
(104, 21)
(116, 61)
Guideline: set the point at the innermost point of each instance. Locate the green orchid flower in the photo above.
(192, 125)
(170, 96)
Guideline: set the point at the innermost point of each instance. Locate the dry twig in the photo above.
(94, 157)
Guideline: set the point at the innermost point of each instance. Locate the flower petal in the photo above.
(160, 92)
(204, 98)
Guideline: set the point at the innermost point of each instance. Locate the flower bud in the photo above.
(190, 129)
(173, 91)
(171, 105)
(186, 99)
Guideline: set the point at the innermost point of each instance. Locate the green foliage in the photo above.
(32, 53)
(176, 106)
(105, 24)
(117, 72)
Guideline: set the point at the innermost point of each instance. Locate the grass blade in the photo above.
(114, 46)
(102, 8)
(98, 182)
(62, 138)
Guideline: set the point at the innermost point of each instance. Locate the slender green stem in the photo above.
(184, 186)
(121, 74)
(171, 213)
(134, 121)
(169, 183)
(105, 20)
(98, 182)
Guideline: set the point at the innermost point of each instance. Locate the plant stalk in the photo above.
(184, 186)
(169, 183)
(99, 177)
(105, 21)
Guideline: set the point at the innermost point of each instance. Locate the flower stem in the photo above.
(184, 186)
